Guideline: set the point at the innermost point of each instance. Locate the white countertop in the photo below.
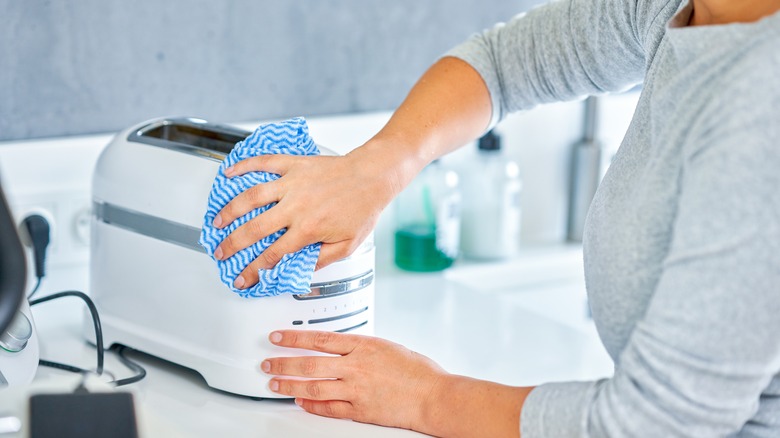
(522, 322)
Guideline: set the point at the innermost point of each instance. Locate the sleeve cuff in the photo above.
(557, 409)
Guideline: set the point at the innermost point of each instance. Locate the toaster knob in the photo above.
(15, 338)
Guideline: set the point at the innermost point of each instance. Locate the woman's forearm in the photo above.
(448, 107)
(466, 407)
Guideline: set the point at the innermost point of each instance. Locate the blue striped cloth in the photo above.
(294, 271)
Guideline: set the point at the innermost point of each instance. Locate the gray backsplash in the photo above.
(77, 67)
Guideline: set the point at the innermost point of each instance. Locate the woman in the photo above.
(682, 242)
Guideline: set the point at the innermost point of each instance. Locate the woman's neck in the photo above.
(706, 12)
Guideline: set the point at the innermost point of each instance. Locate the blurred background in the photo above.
(102, 65)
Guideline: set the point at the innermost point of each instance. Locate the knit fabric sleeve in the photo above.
(564, 50)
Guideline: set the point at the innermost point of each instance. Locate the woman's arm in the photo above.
(558, 51)
(337, 200)
(377, 381)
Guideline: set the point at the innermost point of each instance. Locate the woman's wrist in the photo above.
(448, 107)
(462, 406)
(394, 160)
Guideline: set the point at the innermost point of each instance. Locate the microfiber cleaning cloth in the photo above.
(293, 273)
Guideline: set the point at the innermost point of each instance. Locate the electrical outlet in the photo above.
(43, 209)
(52, 177)
(68, 215)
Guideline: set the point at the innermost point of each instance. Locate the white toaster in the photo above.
(156, 289)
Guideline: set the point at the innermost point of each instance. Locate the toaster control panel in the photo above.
(339, 306)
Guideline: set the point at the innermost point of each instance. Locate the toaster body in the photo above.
(158, 291)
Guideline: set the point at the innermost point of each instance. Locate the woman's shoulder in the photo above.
(740, 101)
(752, 80)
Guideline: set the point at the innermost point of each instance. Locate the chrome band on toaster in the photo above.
(340, 287)
(148, 225)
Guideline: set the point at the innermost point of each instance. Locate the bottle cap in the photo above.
(489, 142)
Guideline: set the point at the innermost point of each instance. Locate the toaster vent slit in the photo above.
(352, 328)
(336, 318)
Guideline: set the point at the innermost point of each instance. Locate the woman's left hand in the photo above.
(371, 380)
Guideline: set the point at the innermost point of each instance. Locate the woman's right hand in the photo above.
(337, 200)
(333, 200)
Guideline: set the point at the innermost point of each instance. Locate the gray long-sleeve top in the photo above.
(682, 241)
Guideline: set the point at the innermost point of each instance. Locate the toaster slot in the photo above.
(190, 135)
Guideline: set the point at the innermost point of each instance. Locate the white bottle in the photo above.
(491, 203)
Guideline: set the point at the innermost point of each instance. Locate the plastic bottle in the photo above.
(427, 231)
(491, 203)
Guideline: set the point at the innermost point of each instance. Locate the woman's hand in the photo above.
(376, 381)
(371, 380)
(333, 200)
(337, 200)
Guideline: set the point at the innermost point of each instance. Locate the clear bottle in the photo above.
(491, 203)
(427, 230)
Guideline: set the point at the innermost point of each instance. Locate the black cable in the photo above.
(119, 349)
(35, 289)
(95, 320)
(139, 370)
(61, 366)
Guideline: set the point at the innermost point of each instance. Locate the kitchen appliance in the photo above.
(18, 338)
(159, 292)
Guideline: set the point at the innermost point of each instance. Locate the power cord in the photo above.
(62, 366)
(39, 230)
(95, 321)
(119, 349)
(35, 288)
(139, 370)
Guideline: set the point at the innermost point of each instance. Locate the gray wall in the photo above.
(89, 66)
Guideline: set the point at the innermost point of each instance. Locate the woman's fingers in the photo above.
(255, 197)
(248, 234)
(310, 389)
(333, 252)
(325, 342)
(278, 164)
(249, 276)
(286, 244)
(330, 408)
(305, 366)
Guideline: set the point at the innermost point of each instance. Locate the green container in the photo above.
(427, 228)
(415, 250)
